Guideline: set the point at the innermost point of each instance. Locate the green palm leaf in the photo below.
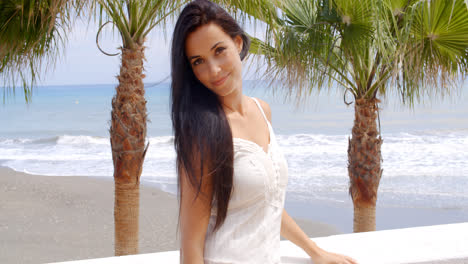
(134, 19)
(436, 48)
(32, 34)
(364, 46)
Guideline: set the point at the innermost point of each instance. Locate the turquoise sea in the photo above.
(64, 132)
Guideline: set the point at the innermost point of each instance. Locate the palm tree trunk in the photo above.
(364, 158)
(128, 133)
(126, 215)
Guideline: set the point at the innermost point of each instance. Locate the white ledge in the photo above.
(430, 244)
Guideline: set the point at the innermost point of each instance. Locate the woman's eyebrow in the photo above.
(214, 46)
(198, 56)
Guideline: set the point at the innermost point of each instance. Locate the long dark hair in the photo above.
(202, 135)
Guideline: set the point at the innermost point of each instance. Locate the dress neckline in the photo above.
(257, 145)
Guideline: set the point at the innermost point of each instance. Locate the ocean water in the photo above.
(64, 132)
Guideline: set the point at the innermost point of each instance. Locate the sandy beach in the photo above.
(50, 218)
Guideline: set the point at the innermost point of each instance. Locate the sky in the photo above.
(83, 63)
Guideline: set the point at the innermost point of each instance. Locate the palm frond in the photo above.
(259, 10)
(302, 52)
(436, 49)
(32, 34)
(134, 19)
(368, 46)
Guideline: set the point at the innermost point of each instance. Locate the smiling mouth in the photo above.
(221, 81)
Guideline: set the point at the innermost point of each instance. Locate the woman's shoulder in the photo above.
(266, 108)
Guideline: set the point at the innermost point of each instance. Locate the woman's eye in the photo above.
(219, 50)
(196, 62)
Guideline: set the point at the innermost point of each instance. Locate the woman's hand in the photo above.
(291, 231)
(325, 257)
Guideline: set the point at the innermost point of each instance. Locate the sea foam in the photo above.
(431, 164)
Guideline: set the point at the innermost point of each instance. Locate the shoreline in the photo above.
(58, 218)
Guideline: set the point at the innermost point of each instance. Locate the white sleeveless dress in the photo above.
(251, 231)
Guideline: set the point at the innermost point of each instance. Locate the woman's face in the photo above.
(214, 57)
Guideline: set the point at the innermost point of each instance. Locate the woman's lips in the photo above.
(220, 81)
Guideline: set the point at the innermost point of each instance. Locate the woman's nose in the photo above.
(215, 68)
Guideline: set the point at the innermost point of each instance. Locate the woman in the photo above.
(232, 175)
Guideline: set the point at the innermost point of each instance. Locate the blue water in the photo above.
(64, 131)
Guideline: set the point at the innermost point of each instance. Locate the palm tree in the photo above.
(367, 48)
(42, 27)
(134, 20)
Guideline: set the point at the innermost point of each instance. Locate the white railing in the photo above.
(430, 244)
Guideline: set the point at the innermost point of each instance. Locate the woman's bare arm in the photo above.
(292, 232)
(194, 219)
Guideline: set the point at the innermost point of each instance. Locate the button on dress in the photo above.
(251, 231)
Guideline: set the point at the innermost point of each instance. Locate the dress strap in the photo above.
(261, 109)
